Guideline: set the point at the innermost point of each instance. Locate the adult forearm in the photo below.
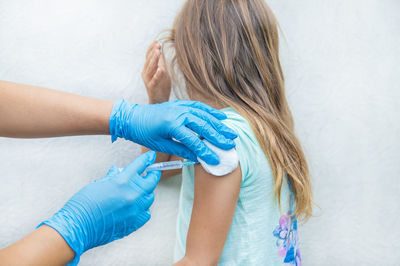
(44, 246)
(30, 112)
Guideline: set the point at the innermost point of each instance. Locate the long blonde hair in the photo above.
(229, 50)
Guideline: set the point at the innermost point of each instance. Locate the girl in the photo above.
(228, 54)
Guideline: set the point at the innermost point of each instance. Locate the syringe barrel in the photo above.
(165, 166)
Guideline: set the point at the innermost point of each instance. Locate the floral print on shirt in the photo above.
(288, 238)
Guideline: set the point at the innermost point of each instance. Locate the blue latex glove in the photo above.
(169, 127)
(109, 208)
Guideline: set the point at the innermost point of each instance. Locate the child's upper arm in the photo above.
(215, 199)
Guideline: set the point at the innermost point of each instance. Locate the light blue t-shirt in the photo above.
(261, 233)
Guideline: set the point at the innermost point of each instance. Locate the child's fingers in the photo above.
(153, 62)
(161, 62)
(146, 63)
(153, 82)
(145, 72)
(156, 78)
(151, 47)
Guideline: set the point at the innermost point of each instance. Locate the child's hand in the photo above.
(155, 75)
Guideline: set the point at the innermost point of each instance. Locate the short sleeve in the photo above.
(244, 144)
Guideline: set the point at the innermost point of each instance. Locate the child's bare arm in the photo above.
(215, 199)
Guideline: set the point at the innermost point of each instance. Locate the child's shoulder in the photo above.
(241, 126)
(251, 155)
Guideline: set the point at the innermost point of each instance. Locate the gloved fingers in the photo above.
(138, 166)
(205, 130)
(143, 218)
(195, 144)
(149, 182)
(113, 171)
(149, 201)
(136, 221)
(202, 106)
(178, 149)
(215, 123)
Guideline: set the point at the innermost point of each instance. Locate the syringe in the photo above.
(169, 165)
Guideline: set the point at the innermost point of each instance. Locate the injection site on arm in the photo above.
(229, 161)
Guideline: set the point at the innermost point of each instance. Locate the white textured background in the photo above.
(341, 60)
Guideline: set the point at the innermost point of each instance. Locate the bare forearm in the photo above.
(30, 112)
(44, 246)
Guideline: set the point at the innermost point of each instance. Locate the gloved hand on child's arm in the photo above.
(170, 127)
(109, 208)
